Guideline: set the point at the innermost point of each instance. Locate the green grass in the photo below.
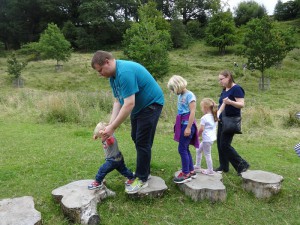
(39, 154)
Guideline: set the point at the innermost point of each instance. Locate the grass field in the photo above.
(46, 130)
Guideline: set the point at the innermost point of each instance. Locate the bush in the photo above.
(293, 120)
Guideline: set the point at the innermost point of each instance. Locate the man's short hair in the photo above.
(100, 57)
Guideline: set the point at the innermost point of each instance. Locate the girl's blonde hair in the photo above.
(210, 104)
(99, 126)
(177, 84)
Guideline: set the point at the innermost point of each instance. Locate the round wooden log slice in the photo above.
(19, 211)
(156, 188)
(263, 184)
(204, 187)
(78, 203)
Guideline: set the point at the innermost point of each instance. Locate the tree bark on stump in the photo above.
(80, 204)
(156, 188)
(19, 211)
(263, 184)
(204, 187)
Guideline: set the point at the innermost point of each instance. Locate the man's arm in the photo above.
(115, 111)
(119, 115)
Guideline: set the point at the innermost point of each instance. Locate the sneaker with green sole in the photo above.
(136, 186)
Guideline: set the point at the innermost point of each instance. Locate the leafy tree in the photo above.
(221, 31)
(146, 44)
(196, 10)
(70, 32)
(246, 11)
(266, 46)
(286, 11)
(15, 67)
(195, 29)
(149, 13)
(179, 35)
(53, 45)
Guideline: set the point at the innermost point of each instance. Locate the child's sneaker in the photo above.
(197, 168)
(182, 178)
(136, 186)
(193, 174)
(129, 181)
(207, 172)
(95, 185)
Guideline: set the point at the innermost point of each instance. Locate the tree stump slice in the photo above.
(19, 211)
(78, 203)
(156, 188)
(263, 184)
(204, 187)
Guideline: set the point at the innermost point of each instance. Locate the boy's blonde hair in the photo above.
(99, 126)
(177, 84)
(210, 104)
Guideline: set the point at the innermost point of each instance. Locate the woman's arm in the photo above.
(238, 103)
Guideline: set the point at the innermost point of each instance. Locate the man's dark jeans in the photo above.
(143, 125)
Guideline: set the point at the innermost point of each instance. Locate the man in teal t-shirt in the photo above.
(136, 94)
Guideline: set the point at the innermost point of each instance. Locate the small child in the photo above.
(113, 158)
(185, 128)
(207, 131)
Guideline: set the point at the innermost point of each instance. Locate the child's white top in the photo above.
(209, 133)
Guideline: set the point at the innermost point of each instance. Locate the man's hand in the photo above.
(108, 131)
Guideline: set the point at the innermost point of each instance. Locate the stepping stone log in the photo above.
(78, 203)
(204, 187)
(263, 184)
(19, 211)
(156, 188)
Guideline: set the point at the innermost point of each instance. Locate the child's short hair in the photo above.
(177, 84)
(99, 126)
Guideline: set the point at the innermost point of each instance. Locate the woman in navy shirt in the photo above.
(232, 97)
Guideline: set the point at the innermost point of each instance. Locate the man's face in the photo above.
(107, 69)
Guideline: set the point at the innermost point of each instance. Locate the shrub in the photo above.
(293, 119)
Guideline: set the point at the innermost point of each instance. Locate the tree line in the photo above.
(94, 24)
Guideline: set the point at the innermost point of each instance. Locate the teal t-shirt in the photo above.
(133, 78)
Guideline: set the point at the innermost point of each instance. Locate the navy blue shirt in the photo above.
(235, 92)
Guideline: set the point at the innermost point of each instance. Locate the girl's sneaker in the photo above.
(207, 172)
(95, 185)
(197, 168)
(193, 174)
(182, 178)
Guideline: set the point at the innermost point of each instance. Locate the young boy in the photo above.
(113, 158)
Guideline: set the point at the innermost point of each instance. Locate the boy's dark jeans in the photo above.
(143, 127)
(111, 164)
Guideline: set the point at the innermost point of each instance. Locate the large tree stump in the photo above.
(19, 211)
(262, 184)
(204, 187)
(156, 188)
(79, 203)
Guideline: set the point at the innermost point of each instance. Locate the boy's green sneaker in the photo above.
(136, 186)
